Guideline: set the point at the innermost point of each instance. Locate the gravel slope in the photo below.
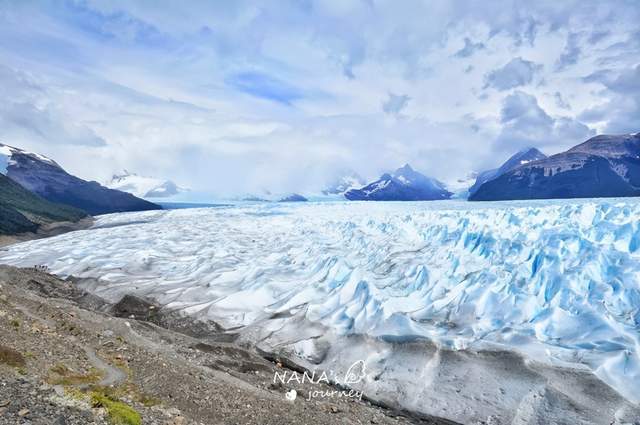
(61, 349)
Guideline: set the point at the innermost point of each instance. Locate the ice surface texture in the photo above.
(554, 280)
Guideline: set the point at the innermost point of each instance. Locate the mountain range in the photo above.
(603, 166)
(35, 189)
(45, 178)
(404, 184)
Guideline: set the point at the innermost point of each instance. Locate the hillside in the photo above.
(22, 211)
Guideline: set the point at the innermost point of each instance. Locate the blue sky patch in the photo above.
(265, 87)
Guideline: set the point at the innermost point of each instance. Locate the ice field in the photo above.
(558, 281)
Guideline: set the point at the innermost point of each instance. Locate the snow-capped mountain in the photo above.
(522, 157)
(7, 159)
(143, 186)
(344, 183)
(404, 184)
(44, 177)
(603, 166)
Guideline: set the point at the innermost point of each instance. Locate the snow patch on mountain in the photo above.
(6, 153)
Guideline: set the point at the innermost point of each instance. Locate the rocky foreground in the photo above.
(68, 357)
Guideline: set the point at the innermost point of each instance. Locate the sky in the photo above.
(241, 96)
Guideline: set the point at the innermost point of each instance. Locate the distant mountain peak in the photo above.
(530, 152)
(405, 168)
(406, 173)
(346, 180)
(404, 184)
(143, 186)
(529, 149)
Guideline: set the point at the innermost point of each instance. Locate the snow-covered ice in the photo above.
(556, 281)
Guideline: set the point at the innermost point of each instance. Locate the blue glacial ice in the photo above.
(557, 281)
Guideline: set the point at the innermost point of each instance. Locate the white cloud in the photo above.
(395, 103)
(233, 96)
(517, 72)
(620, 112)
(525, 123)
(469, 48)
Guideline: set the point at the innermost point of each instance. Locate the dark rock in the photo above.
(11, 357)
(133, 307)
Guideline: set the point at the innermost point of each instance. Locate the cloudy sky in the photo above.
(234, 96)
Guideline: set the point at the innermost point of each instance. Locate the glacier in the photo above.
(553, 281)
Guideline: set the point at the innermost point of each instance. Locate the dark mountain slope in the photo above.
(22, 211)
(603, 166)
(522, 157)
(46, 178)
